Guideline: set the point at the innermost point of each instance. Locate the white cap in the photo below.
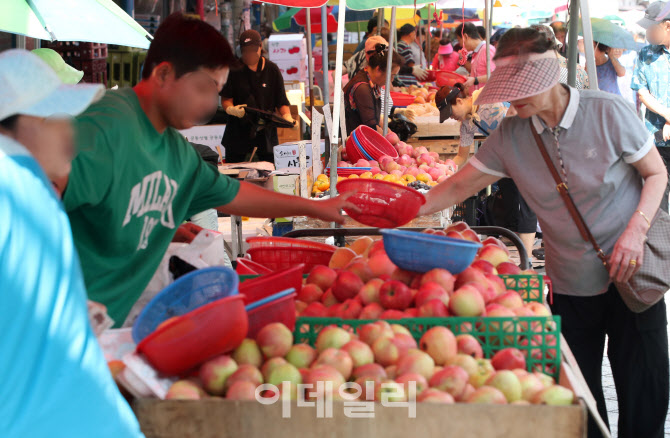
(30, 87)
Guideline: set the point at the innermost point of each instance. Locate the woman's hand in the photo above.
(628, 253)
(666, 132)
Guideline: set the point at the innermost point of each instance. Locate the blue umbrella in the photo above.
(612, 35)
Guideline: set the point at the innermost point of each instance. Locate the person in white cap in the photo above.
(607, 160)
(56, 380)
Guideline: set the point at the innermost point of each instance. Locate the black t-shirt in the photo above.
(262, 89)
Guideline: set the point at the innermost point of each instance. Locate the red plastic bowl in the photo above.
(249, 267)
(284, 242)
(383, 204)
(193, 338)
(278, 258)
(353, 154)
(448, 78)
(430, 76)
(261, 287)
(374, 143)
(281, 310)
(402, 99)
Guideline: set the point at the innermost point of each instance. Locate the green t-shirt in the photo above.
(129, 189)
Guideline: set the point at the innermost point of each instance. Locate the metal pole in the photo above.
(380, 21)
(324, 52)
(337, 98)
(573, 34)
(310, 60)
(487, 24)
(429, 40)
(588, 45)
(389, 63)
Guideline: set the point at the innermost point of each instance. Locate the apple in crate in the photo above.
(346, 285)
(508, 383)
(185, 390)
(310, 293)
(432, 395)
(452, 379)
(416, 362)
(440, 276)
(245, 373)
(371, 370)
(369, 333)
(468, 344)
(360, 352)
(369, 293)
(395, 295)
(508, 268)
(248, 353)
(433, 309)
(431, 291)
(215, 372)
(285, 373)
(322, 276)
(381, 264)
(301, 356)
(406, 380)
(275, 340)
(555, 395)
(371, 311)
(440, 344)
(324, 373)
(467, 301)
(487, 395)
(242, 390)
(386, 352)
(493, 254)
(332, 337)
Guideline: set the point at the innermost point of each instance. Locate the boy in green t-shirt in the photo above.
(135, 178)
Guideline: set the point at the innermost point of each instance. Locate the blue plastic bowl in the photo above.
(189, 292)
(420, 252)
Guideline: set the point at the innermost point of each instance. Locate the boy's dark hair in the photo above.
(10, 122)
(468, 29)
(188, 44)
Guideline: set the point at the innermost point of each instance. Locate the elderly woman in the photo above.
(616, 177)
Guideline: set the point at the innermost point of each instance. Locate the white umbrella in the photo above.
(100, 21)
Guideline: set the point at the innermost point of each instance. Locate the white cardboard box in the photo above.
(287, 47)
(209, 135)
(293, 70)
(287, 155)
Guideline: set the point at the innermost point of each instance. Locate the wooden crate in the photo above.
(250, 419)
(289, 135)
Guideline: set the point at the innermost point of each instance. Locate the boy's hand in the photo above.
(330, 210)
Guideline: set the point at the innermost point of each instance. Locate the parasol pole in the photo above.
(487, 24)
(588, 44)
(573, 34)
(310, 61)
(337, 98)
(324, 52)
(389, 64)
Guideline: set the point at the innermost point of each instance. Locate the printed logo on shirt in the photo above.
(155, 193)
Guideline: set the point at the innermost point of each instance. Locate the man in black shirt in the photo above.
(257, 84)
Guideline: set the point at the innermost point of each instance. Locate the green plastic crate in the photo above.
(493, 333)
(531, 287)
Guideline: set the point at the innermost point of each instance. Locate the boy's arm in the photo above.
(255, 201)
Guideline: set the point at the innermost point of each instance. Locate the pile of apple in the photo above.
(361, 282)
(380, 358)
(421, 94)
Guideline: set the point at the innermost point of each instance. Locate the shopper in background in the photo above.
(360, 60)
(363, 93)
(608, 67)
(257, 84)
(57, 382)
(372, 31)
(410, 51)
(561, 32)
(582, 78)
(651, 80)
(608, 160)
(469, 37)
(445, 59)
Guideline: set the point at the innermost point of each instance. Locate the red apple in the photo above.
(440, 276)
(471, 236)
(467, 301)
(493, 254)
(510, 299)
(439, 342)
(497, 284)
(361, 268)
(455, 235)
(468, 344)
(369, 293)
(488, 293)
(433, 309)
(328, 298)
(395, 295)
(392, 314)
(403, 276)
(310, 293)
(484, 265)
(458, 226)
(508, 268)
(495, 241)
(371, 311)
(346, 286)
(432, 395)
(451, 379)
(430, 291)
(381, 264)
(316, 310)
(322, 276)
(404, 343)
(371, 370)
(369, 333)
(350, 309)
(412, 313)
(471, 274)
(509, 359)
